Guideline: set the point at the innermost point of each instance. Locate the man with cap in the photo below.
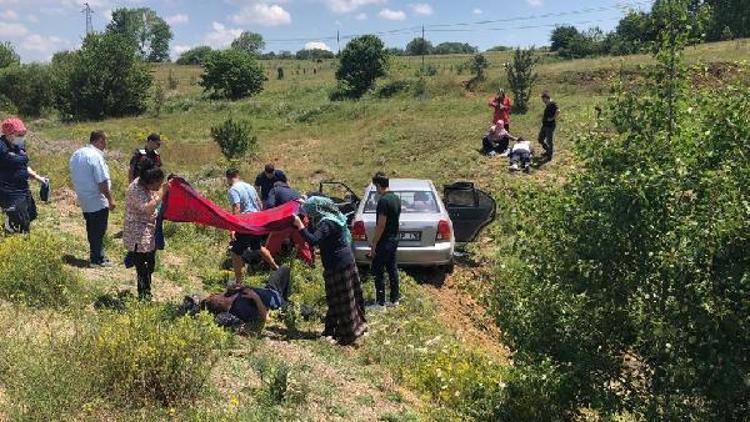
(15, 195)
(502, 105)
(146, 157)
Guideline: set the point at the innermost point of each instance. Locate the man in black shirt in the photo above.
(146, 157)
(385, 241)
(549, 122)
(265, 180)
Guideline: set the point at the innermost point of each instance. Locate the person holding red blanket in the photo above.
(502, 105)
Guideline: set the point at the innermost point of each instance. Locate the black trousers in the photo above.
(21, 211)
(385, 260)
(498, 146)
(280, 281)
(520, 157)
(145, 262)
(96, 228)
(547, 138)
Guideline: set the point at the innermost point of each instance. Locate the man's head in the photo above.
(152, 178)
(233, 176)
(98, 139)
(153, 142)
(545, 97)
(269, 170)
(280, 183)
(381, 182)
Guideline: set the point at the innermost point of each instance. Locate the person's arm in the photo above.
(313, 237)
(131, 168)
(271, 201)
(379, 229)
(557, 114)
(262, 309)
(11, 159)
(151, 205)
(104, 189)
(34, 175)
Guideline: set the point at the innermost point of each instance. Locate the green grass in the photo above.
(411, 366)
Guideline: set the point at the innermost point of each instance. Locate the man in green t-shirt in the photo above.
(385, 241)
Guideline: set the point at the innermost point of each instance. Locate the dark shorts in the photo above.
(243, 242)
(21, 211)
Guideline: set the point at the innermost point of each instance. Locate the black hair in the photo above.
(380, 180)
(154, 137)
(151, 175)
(97, 135)
(232, 173)
(279, 183)
(545, 94)
(270, 168)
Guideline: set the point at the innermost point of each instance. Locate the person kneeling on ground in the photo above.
(497, 139)
(242, 305)
(520, 156)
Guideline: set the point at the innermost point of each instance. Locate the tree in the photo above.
(629, 293)
(395, 51)
(521, 78)
(418, 47)
(732, 14)
(454, 48)
(105, 78)
(8, 55)
(314, 54)
(362, 61)
(563, 36)
(28, 87)
(234, 138)
(196, 55)
(500, 48)
(250, 42)
(633, 34)
(232, 74)
(477, 66)
(149, 31)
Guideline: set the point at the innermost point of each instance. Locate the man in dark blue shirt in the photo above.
(280, 195)
(265, 180)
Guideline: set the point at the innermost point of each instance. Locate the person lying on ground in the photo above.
(497, 139)
(246, 305)
(520, 155)
(345, 319)
(244, 200)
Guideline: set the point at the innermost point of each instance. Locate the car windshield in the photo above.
(411, 202)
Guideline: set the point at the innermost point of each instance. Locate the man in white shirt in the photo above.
(520, 156)
(90, 176)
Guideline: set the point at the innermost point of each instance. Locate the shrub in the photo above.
(521, 78)
(632, 282)
(103, 79)
(196, 55)
(232, 74)
(28, 88)
(362, 61)
(32, 271)
(477, 66)
(392, 88)
(281, 382)
(8, 55)
(172, 82)
(234, 138)
(157, 99)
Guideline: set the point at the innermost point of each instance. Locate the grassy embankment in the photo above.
(434, 358)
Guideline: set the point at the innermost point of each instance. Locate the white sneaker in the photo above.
(514, 167)
(393, 304)
(492, 153)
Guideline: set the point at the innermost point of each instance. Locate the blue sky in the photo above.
(38, 28)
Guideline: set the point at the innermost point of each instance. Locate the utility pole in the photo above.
(338, 41)
(424, 47)
(88, 12)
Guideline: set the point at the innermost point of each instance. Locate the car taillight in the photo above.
(443, 231)
(358, 231)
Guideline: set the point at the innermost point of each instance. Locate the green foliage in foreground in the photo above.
(142, 357)
(32, 271)
(232, 74)
(630, 289)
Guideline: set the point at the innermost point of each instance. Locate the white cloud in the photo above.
(32, 18)
(42, 44)
(317, 45)
(421, 8)
(535, 3)
(262, 14)
(13, 30)
(179, 49)
(177, 19)
(348, 6)
(392, 15)
(361, 17)
(221, 36)
(477, 11)
(9, 15)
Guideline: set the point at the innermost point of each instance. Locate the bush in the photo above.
(363, 61)
(32, 272)
(632, 282)
(197, 55)
(103, 79)
(234, 138)
(28, 88)
(8, 55)
(392, 88)
(232, 74)
(521, 78)
(477, 66)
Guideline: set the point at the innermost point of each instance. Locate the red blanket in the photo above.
(185, 204)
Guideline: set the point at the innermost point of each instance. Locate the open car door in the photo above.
(344, 198)
(470, 210)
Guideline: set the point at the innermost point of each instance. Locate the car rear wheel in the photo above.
(449, 268)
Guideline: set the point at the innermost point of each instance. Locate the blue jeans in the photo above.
(385, 260)
(96, 228)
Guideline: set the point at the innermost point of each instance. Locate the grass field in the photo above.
(421, 362)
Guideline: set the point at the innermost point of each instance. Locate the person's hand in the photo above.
(233, 235)
(111, 205)
(298, 223)
(165, 188)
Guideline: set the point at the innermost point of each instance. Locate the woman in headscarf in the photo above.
(15, 196)
(345, 319)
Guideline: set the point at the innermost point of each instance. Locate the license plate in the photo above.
(410, 236)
